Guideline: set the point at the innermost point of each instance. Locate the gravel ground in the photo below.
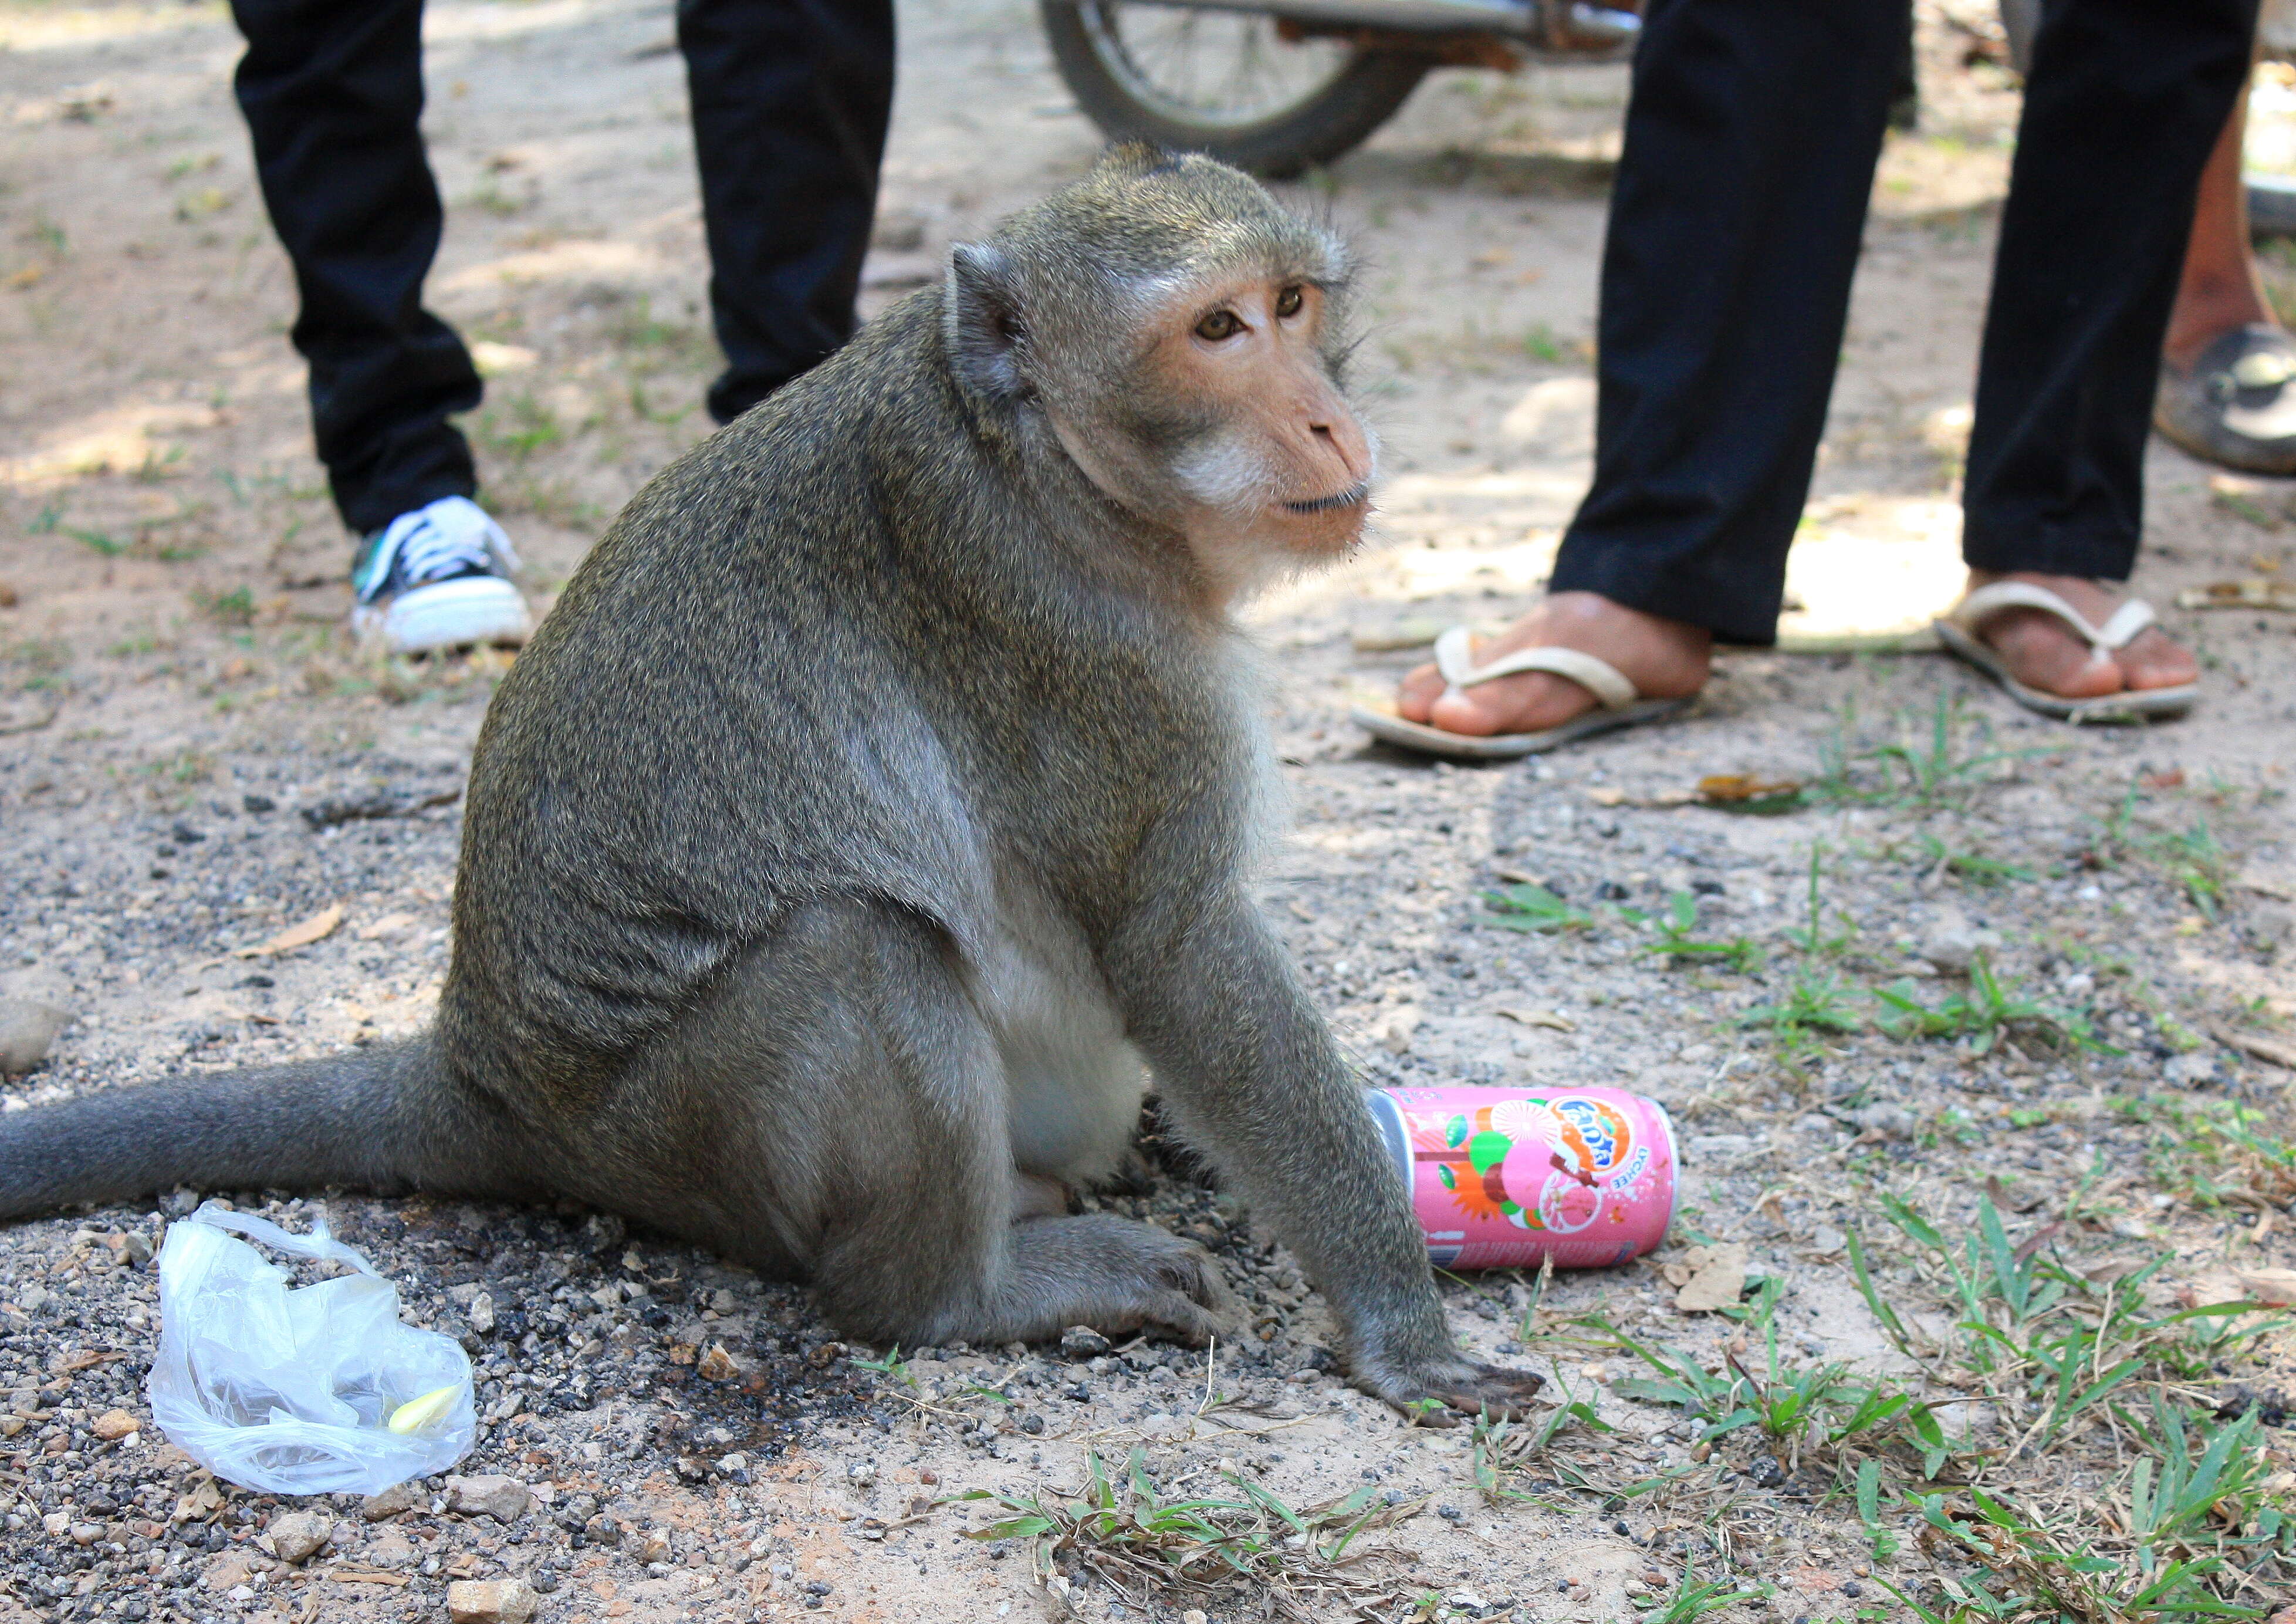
(180, 727)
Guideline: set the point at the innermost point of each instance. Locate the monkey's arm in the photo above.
(1255, 1079)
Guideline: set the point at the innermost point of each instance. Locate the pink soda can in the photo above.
(1508, 1177)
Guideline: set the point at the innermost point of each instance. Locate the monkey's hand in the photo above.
(1431, 1391)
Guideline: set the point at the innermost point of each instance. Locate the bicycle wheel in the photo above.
(1224, 82)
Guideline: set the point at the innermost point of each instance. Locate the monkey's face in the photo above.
(1228, 425)
(1173, 328)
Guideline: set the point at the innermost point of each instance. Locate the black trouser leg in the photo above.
(2126, 99)
(791, 100)
(332, 91)
(1751, 143)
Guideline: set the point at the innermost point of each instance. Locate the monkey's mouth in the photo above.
(1355, 496)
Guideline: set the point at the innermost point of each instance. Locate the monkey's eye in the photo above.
(1287, 302)
(1219, 325)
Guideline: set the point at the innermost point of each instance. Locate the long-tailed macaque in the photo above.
(874, 813)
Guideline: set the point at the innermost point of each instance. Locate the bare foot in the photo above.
(1663, 659)
(2042, 652)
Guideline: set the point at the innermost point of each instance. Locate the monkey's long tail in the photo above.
(382, 1119)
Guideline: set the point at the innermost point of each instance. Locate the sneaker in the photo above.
(437, 578)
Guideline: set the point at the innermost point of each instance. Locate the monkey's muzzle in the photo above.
(1355, 496)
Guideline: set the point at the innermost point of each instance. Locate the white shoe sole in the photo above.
(1419, 737)
(446, 615)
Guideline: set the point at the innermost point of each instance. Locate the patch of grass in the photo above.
(1812, 937)
(524, 426)
(1545, 346)
(36, 657)
(1946, 758)
(492, 199)
(2184, 1539)
(2214, 1153)
(1819, 1410)
(1694, 1599)
(552, 501)
(2056, 1350)
(184, 767)
(1814, 1005)
(1988, 1012)
(233, 608)
(2190, 858)
(1676, 940)
(647, 412)
(1141, 1541)
(1935, 762)
(1972, 865)
(638, 327)
(1533, 908)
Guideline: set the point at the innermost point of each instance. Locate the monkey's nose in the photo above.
(1344, 440)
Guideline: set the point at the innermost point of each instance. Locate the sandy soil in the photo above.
(174, 691)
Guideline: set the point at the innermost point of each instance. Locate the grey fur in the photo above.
(876, 799)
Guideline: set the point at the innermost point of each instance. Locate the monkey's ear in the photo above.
(981, 321)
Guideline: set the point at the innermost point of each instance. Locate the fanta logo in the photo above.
(1597, 1133)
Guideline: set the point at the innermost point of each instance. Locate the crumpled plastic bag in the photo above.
(292, 1392)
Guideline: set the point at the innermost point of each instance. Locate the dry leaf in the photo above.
(2254, 592)
(318, 927)
(202, 1502)
(1718, 1278)
(1731, 788)
(2274, 1286)
(388, 925)
(1607, 797)
(1546, 1018)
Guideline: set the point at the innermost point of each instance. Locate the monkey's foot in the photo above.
(1113, 1275)
(1662, 659)
(1436, 1394)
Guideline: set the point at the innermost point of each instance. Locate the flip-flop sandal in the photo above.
(1958, 632)
(2236, 405)
(1618, 704)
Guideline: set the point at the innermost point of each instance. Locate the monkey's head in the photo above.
(1178, 332)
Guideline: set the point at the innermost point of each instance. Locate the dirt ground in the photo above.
(2097, 923)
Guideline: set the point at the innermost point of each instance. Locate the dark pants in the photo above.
(1750, 151)
(791, 99)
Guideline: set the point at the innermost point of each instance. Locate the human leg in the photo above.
(1751, 143)
(2228, 366)
(2122, 108)
(791, 100)
(333, 96)
(2218, 289)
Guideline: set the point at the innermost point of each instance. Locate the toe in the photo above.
(1182, 1318)
(1501, 1393)
(2152, 660)
(1417, 695)
(2043, 652)
(1527, 704)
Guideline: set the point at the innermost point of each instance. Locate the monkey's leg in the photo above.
(1253, 1076)
(873, 1133)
